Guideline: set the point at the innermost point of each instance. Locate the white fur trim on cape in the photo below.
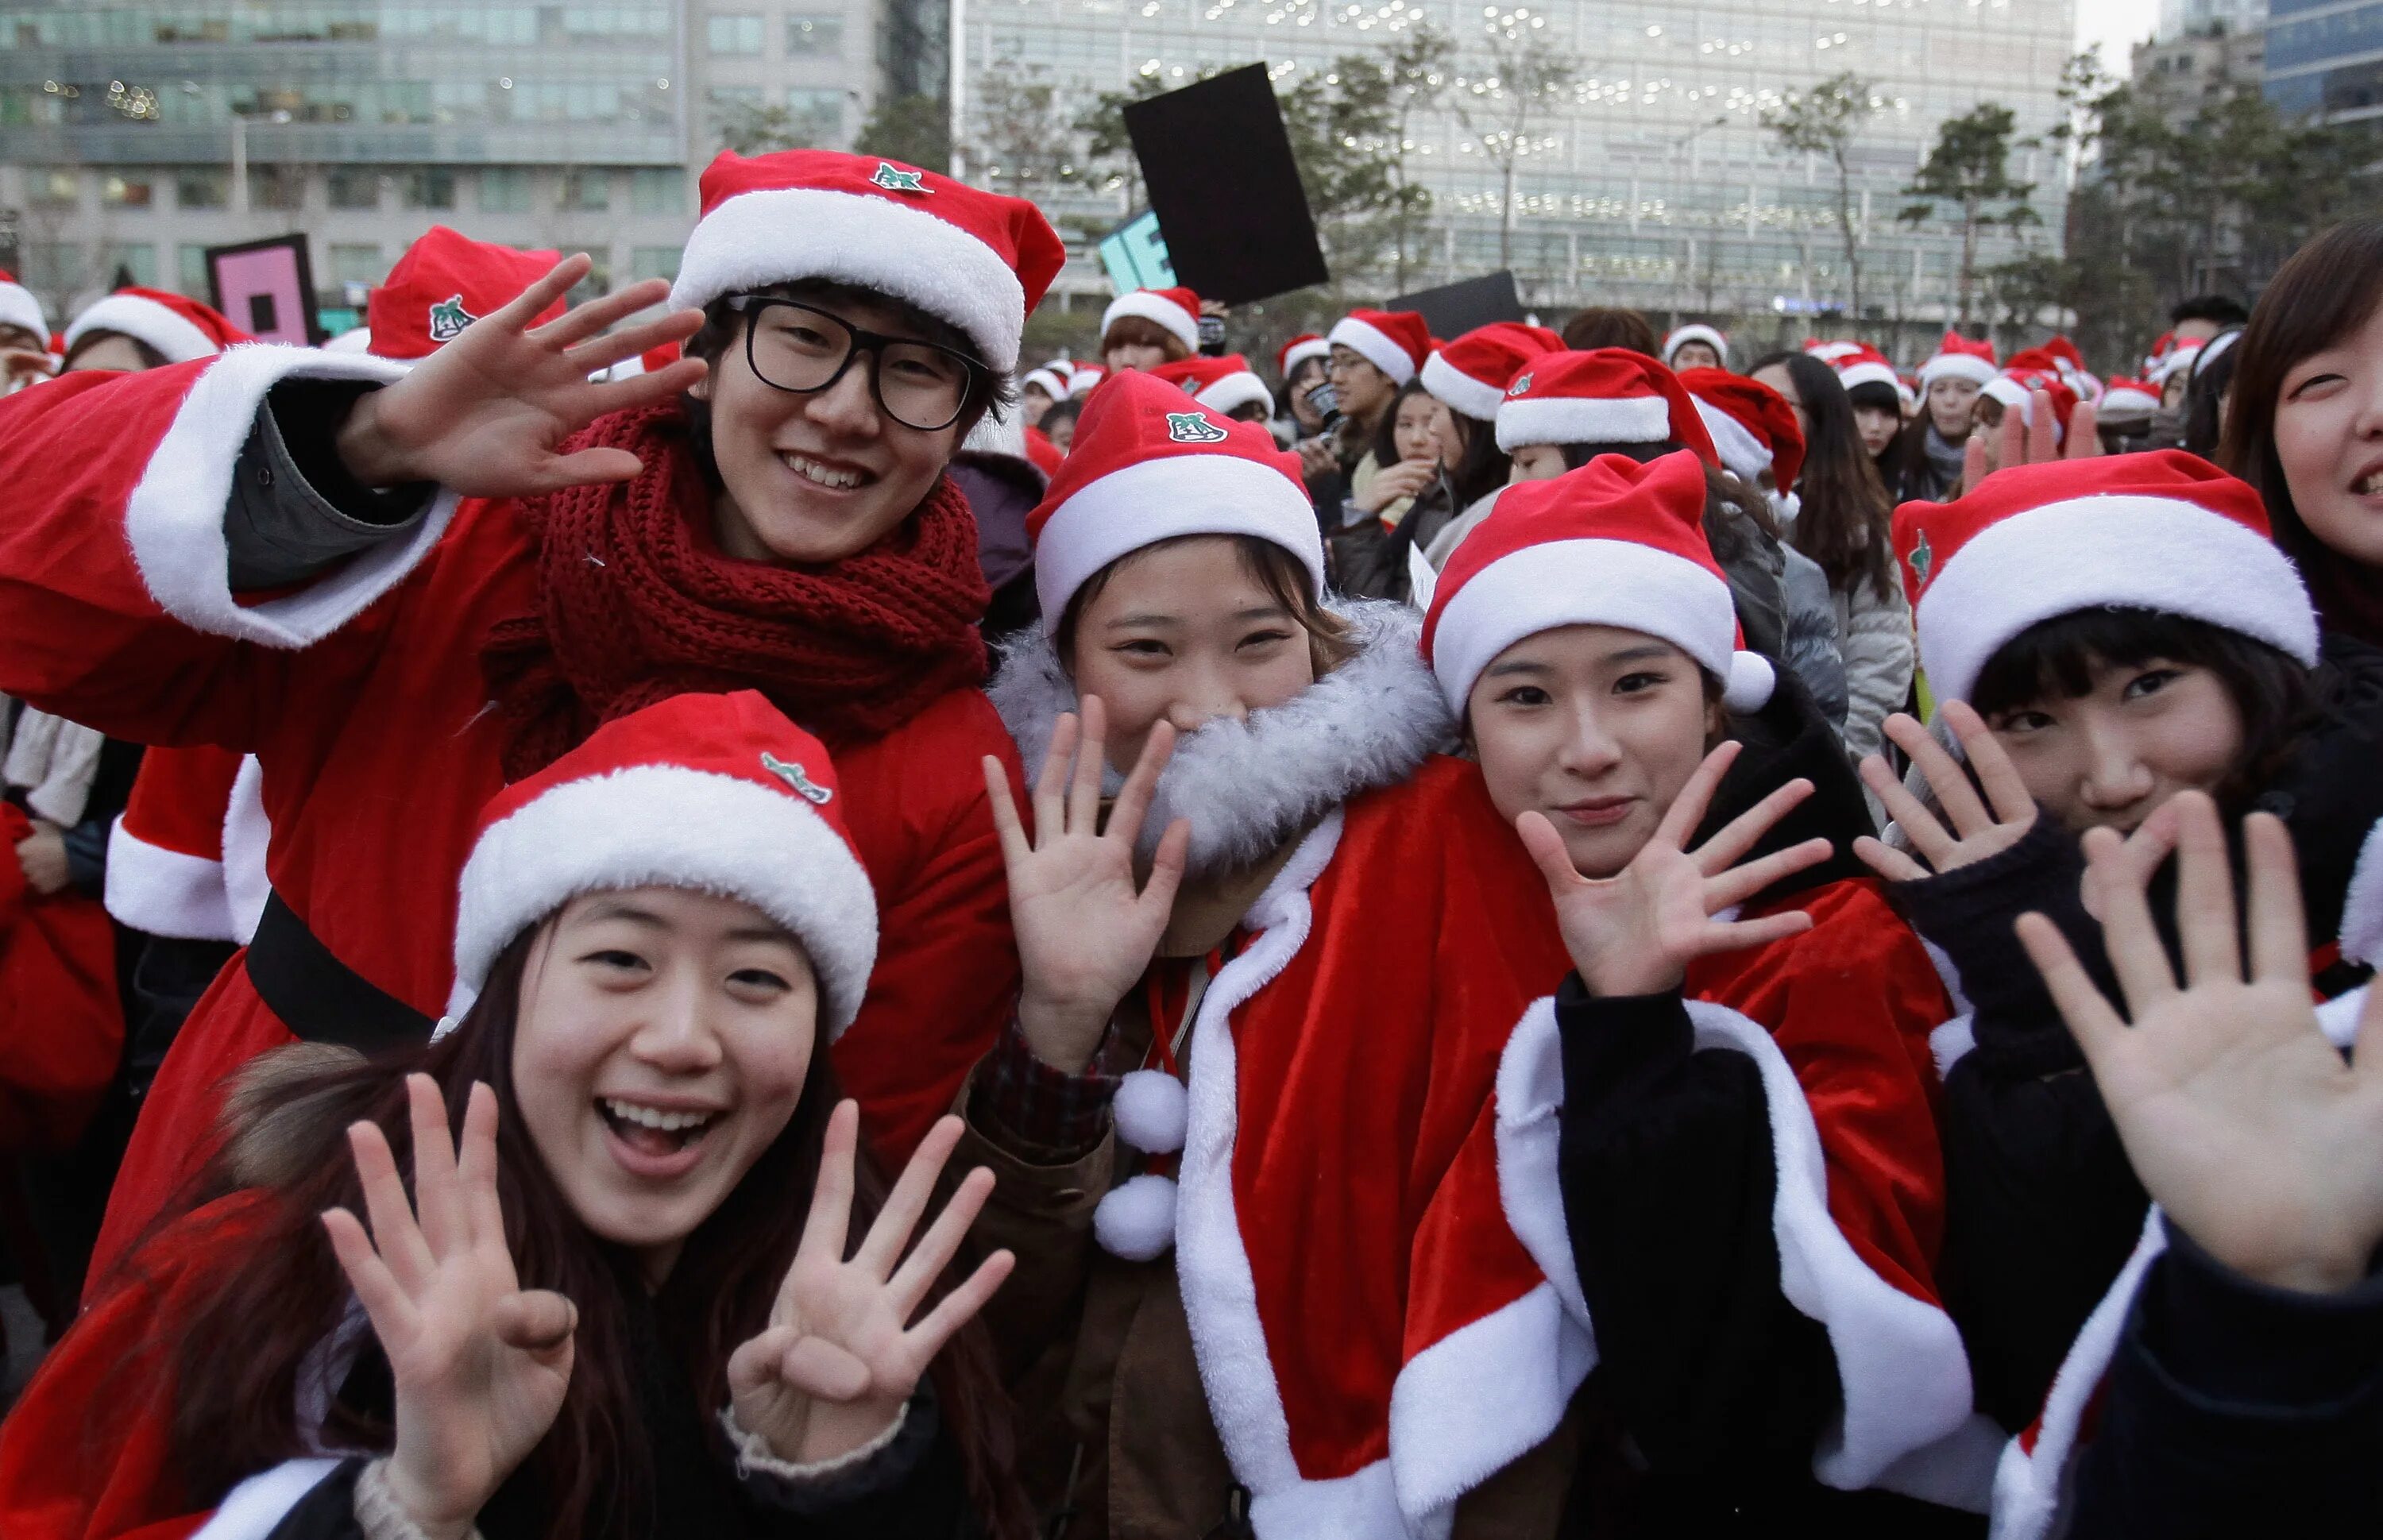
(2084, 553)
(1459, 391)
(1371, 343)
(1248, 786)
(1968, 367)
(1949, 1043)
(1618, 582)
(1480, 1398)
(20, 308)
(1163, 500)
(174, 519)
(782, 235)
(1695, 331)
(1141, 303)
(668, 826)
(1583, 420)
(164, 891)
(247, 836)
(1152, 1111)
(1740, 451)
(1235, 391)
(1136, 1219)
(1899, 1360)
(2362, 908)
(256, 1506)
(174, 335)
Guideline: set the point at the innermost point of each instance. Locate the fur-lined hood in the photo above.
(1249, 787)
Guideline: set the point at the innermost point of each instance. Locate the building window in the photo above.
(733, 34)
(815, 114)
(357, 264)
(207, 187)
(652, 262)
(191, 269)
(52, 265)
(658, 189)
(49, 188)
(121, 264)
(431, 187)
(127, 190)
(585, 190)
(278, 187)
(505, 190)
(598, 281)
(355, 187)
(814, 36)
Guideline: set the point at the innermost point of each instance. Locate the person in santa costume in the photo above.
(1229, 1312)
(1373, 352)
(1716, 1136)
(2100, 636)
(1301, 363)
(1146, 327)
(137, 328)
(402, 589)
(1949, 383)
(1226, 384)
(1696, 346)
(24, 336)
(656, 936)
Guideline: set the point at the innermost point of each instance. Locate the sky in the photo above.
(2117, 26)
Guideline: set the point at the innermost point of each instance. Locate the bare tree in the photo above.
(1826, 121)
(1529, 70)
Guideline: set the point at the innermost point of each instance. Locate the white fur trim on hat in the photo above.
(1142, 303)
(1616, 583)
(1235, 391)
(1695, 331)
(2087, 553)
(147, 321)
(1136, 1219)
(1159, 500)
(1968, 367)
(1299, 352)
(782, 234)
(1583, 420)
(2010, 392)
(1373, 345)
(1152, 1111)
(1742, 453)
(670, 826)
(2215, 349)
(1461, 391)
(1871, 372)
(1047, 380)
(20, 308)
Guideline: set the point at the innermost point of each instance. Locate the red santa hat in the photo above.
(718, 794)
(1471, 374)
(1753, 428)
(1298, 350)
(1604, 396)
(1614, 543)
(2129, 397)
(1867, 365)
(1831, 352)
(2016, 385)
(2162, 346)
(443, 283)
(1226, 384)
(2178, 360)
(2070, 364)
(1395, 342)
(180, 330)
(1043, 454)
(977, 260)
(2164, 531)
(20, 307)
(1956, 357)
(1049, 380)
(1695, 331)
(1149, 463)
(1082, 377)
(1175, 311)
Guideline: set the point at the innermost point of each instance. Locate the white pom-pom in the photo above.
(1751, 680)
(1152, 1112)
(1137, 1221)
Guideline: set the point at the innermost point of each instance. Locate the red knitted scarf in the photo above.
(636, 604)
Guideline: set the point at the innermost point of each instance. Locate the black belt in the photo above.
(321, 998)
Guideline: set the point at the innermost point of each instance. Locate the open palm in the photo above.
(1979, 829)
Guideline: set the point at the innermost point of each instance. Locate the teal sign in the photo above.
(1135, 254)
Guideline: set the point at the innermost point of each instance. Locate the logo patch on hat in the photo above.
(800, 782)
(1923, 556)
(1519, 385)
(893, 178)
(447, 319)
(1191, 428)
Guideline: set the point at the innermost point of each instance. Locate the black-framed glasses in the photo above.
(803, 349)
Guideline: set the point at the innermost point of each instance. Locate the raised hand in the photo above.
(1405, 479)
(840, 1355)
(2021, 441)
(1637, 932)
(1086, 931)
(481, 1365)
(485, 414)
(1979, 829)
(2241, 1120)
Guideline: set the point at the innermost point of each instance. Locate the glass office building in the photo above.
(2326, 56)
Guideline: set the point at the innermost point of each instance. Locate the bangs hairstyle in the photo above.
(150, 357)
(1330, 640)
(1141, 331)
(2055, 660)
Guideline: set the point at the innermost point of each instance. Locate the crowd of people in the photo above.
(737, 910)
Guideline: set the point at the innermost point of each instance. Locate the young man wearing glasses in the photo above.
(403, 592)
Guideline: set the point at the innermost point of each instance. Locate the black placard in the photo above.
(1217, 162)
(1454, 309)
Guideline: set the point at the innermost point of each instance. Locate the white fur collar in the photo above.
(1247, 787)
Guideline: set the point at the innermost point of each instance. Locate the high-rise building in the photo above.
(2189, 18)
(2326, 56)
(1651, 180)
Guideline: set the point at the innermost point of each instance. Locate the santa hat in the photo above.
(1753, 428)
(718, 794)
(1048, 380)
(2162, 346)
(1174, 310)
(977, 260)
(1695, 331)
(1082, 377)
(18, 307)
(1298, 351)
(1867, 365)
(1613, 543)
(2015, 386)
(443, 283)
(1395, 342)
(2164, 531)
(1043, 454)
(1832, 354)
(1226, 384)
(1150, 463)
(2129, 397)
(2215, 349)
(1471, 374)
(2070, 364)
(1958, 358)
(2178, 360)
(1606, 396)
(180, 330)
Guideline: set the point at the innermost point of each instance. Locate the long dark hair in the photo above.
(1484, 466)
(1847, 517)
(238, 1352)
(1385, 442)
(2205, 394)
